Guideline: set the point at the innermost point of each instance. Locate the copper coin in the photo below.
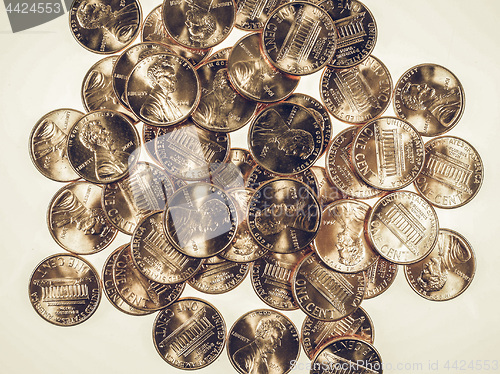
(316, 333)
(155, 257)
(103, 146)
(388, 153)
(284, 215)
(272, 278)
(431, 98)
(251, 15)
(65, 289)
(403, 227)
(137, 290)
(357, 31)
(341, 243)
(77, 221)
(263, 341)
(129, 200)
(285, 138)
(222, 54)
(105, 26)
(48, 144)
(340, 169)
(447, 271)
(219, 278)
(253, 76)
(149, 134)
(299, 38)
(200, 220)
(200, 24)
(236, 170)
(379, 277)
(327, 192)
(347, 354)
(452, 173)
(191, 153)
(189, 334)
(324, 293)
(359, 94)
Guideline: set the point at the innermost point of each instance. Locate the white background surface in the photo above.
(42, 69)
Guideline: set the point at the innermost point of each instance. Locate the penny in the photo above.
(452, 174)
(251, 15)
(155, 257)
(357, 31)
(189, 334)
(149, 134)
(200, 24)
(219, 278)
(379, 276)
(253, 76)
(65, 289)
(137, 290)
(200, 220)
(327, 192)
(326, 294)
(129, 200)
(191, 153)
(316, 333)
(299, 38)
(430, 97)
(447, 271)
(77, 221)
(388, 153)
(236, 170)
(102, 146)
(285, 138)
(359, 94)
(347, 353)
(221, 108)
(222, 54)
(341, 243)
(284, 215)
(48, 144)
(105, 27)
(263, 341)
(403, 227)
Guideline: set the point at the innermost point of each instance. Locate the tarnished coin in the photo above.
(251, 15)
(284, 215)
(348, 354)
(452, 173)
(48, 144)
(359, 94)
(379, 277)
(222, 54)
(65, 289)
(447, 271)
(103, 146)
(253, 76)
(137, 290)
(327, 192)
(155, 257)
(357, 31)
(105, 26)
(219, 278)
(285, 138)
(128, 201)
(388, 153)
(259, 175)
(403, 227)
(199, 24)
(77, 221)
(340, 169)
(191, 153)
(263, 341)
(324, 293)
(235, 172)
(316, 333)
(431, 98)
(272, 278)
(200, 220)
(341, 243)
(299, 38)
(189, 334)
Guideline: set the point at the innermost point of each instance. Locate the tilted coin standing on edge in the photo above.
(48, 144)
(452, 173)
(447, 271)
(430, 97)
(379, 276)
(64, 289)
(189, 334)
(220, 277)
(263, 341)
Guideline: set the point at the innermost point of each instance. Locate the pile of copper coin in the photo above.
(151, 158)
